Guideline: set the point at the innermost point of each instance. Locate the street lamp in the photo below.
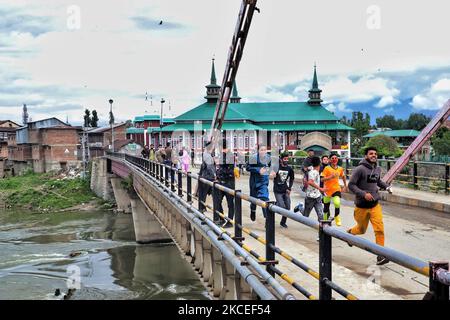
(111, 122)
(161, 121)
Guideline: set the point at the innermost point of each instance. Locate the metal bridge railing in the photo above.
(437, 272)
(410, 175)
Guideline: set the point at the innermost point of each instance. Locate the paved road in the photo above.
(418, 232)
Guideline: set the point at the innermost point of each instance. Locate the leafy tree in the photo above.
(441, 142)
(87, 118)
(389, 121)
(417, 121)
(385, 145)
(361, 124)
(94, 119)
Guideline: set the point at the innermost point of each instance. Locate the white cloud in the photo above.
(340, 107)
(434, 97)
(443, 85)
(364, 89)
(386, 101)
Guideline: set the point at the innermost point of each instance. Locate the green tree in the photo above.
(389, 121)
(361, 123)
(417, 121)
(441, 142)
(385, 145)
(87, 118)
(94, 119)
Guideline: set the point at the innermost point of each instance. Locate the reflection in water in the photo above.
(36, 251)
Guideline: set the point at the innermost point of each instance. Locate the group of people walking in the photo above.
(181, 159)
(321, 184)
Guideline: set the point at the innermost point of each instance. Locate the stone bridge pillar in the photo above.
(100, 179)
(146, 227)
(121, 194)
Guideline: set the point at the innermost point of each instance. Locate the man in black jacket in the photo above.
(225, 177)
(208, 172)
(282, 185)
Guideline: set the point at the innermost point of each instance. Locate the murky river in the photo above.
(40, 253)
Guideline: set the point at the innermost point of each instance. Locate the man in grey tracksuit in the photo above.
(365, 183)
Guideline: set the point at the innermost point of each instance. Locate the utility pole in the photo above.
(111, 122)
(25, 115)
(161, 121)
(83, 145)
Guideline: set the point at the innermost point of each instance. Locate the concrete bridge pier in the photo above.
(146, 227)
(217, 278)
(121, 195)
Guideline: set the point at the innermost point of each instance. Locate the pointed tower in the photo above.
(315, 92)
(25, 115)
(212, 89)
(234, 95)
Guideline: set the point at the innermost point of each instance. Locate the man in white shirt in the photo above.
(314, 191)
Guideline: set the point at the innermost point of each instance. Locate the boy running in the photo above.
(313, 191)
(282, 185)
(331, 175)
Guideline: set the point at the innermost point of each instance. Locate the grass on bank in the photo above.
(46, 191)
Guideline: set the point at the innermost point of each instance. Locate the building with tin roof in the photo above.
(294, 125)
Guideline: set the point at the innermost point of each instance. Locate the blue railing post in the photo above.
(447, 177)
(166, 176)
(238, 215)
(347, 168)
(216, 217)
(438, 290)
(161, 172)
(189, 187)
(270, 238)
(157, 171)
(325, 261)
(172, 179)
(415, 180)
(180, 183)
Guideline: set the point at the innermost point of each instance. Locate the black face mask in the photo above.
(285, 163)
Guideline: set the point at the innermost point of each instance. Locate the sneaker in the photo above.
(382, 260)
(338, 221)
(227, 225)
(299, 208)
(350, 245)
(318, 239)
(283, 225)
(253, 215)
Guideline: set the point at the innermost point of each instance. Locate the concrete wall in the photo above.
(100, 179)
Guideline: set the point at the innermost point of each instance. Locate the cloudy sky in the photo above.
(378, 56)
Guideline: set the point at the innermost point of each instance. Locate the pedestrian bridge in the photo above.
(226, 259)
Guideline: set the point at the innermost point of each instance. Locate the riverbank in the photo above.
(49, 192)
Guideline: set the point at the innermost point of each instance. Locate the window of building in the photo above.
(246, 142)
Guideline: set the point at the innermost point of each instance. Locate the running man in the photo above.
(364, 183)
(259, 166)
(331, 175)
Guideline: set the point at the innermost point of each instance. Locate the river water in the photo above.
(93, 252)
